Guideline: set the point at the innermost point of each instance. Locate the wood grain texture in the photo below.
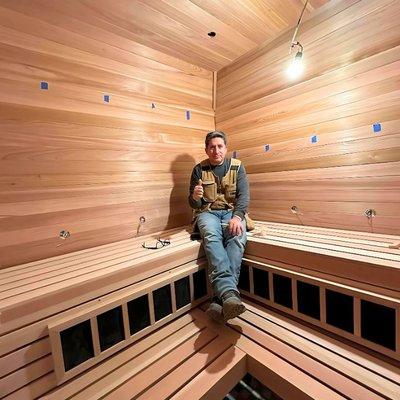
(176, 28)
(185, 355)
(263, 334)
(351, 81)
(71, 161)
(25, 354)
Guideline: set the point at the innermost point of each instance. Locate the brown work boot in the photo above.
(232, 305)
(214, 311)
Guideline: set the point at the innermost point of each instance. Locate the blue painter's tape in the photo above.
(377, 127)
(106, 98)
(267, 147)
(314, 139)
(187, 115)
(153, 105)
(234, 154)
(44, 85)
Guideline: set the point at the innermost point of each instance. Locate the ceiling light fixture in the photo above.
(296, 66)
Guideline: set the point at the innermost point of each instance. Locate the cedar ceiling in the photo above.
(179, 27)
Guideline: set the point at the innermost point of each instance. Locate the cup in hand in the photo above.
(209, 191)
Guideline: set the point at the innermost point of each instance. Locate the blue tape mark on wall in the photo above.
(44, 85)
(153, 105)
(314, 139)
(234, 154)
(267, 147)
(377, 127)
(106, 98)
(187, 115)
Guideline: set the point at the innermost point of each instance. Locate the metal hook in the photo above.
(64, 234)
(370, 213)
(142, 220)
(294, 209)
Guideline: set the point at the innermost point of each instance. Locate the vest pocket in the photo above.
(210, 191)
(230, 193)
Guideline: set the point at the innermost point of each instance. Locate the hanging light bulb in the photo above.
(296, 66)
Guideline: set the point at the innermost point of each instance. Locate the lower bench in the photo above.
(195, 358)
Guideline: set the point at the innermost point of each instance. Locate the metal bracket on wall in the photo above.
(64, 234)
(370, 213)
(142, 220)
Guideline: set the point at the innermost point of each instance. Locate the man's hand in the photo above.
(198, 191)
(235, 226)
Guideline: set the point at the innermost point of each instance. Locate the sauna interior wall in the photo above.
(71, 161)
(351, 81)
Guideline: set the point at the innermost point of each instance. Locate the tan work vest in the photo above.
(219, 194)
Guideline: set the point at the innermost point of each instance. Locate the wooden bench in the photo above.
(33, 291)
(62, 289)
(66, 288)
(296, 361)
(358, 258)
(310, 272)
(195, 358)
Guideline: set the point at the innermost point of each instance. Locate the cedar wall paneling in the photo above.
(351, 81)
(69, 160)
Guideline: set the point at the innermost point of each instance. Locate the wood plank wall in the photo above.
(71, 161)
(351, 81)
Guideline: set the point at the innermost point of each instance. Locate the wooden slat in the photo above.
(139, 380)
(142, 354)
(24, 356)
(121, 298)
(336, 347)
(331, 378)
(26, 304)
(62, 272)
(348, 85)
(367, 370)
(324, 282)
(24, 376)
(187, 370)
(377, 272)
(275, 372)
(323, 40)
(217, 379)
(178, 29)
(358, 74)
(81, 149)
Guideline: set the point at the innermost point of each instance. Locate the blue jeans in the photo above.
(224, 252)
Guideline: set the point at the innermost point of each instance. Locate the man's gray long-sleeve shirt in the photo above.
(242, 186)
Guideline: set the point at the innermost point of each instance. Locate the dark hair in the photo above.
(215, 134)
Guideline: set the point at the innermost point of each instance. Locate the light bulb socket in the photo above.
(296, 44)
(299, 55)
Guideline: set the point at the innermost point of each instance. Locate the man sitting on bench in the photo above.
(219, 195)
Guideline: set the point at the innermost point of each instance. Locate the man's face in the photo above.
(216, 151)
